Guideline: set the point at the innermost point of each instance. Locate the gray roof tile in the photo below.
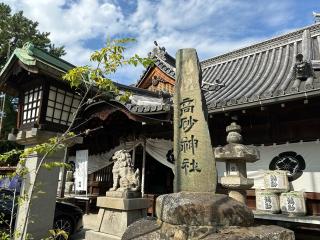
(263, 70)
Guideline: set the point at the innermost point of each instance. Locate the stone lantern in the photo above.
(235, 155)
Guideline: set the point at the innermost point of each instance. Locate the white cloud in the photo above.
(212, 27)
(71, 23)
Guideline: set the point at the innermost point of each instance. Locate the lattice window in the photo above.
(61, 106)
(31, 105)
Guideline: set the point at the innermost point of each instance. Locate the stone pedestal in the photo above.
(147, 229)
(115, 215)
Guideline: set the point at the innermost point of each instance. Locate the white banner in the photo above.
(81, 170)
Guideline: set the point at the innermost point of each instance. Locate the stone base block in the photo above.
(122, 203)
(124, 194)
(92, 235)
(116, 214)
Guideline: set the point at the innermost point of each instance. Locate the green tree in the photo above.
(16, 29)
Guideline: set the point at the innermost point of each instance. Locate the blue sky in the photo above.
(212, 27)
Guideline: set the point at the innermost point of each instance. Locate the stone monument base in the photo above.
(115, 215)
(147, 228)
(202, 215)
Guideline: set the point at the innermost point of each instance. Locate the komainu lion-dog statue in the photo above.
(124, 177)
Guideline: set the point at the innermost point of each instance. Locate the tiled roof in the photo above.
(143, 101)
(144, 109)
(264, 70)
(163, 60)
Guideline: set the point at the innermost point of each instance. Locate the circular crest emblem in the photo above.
(289, 161)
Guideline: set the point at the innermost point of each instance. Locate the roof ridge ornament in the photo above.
(316, 17)
(28, 47)
(158, 51)
(302, 68)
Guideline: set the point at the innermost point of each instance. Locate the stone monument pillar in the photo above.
(235, 155)
(195, 164)
(123, 203)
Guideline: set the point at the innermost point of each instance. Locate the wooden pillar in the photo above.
(64, 173)
(134, 151)
(143, 166)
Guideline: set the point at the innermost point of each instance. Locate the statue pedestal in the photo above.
(115, 215)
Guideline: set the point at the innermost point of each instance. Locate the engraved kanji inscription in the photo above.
(190, 166)
(188, 144)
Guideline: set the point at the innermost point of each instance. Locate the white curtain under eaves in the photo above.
(156, 148)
